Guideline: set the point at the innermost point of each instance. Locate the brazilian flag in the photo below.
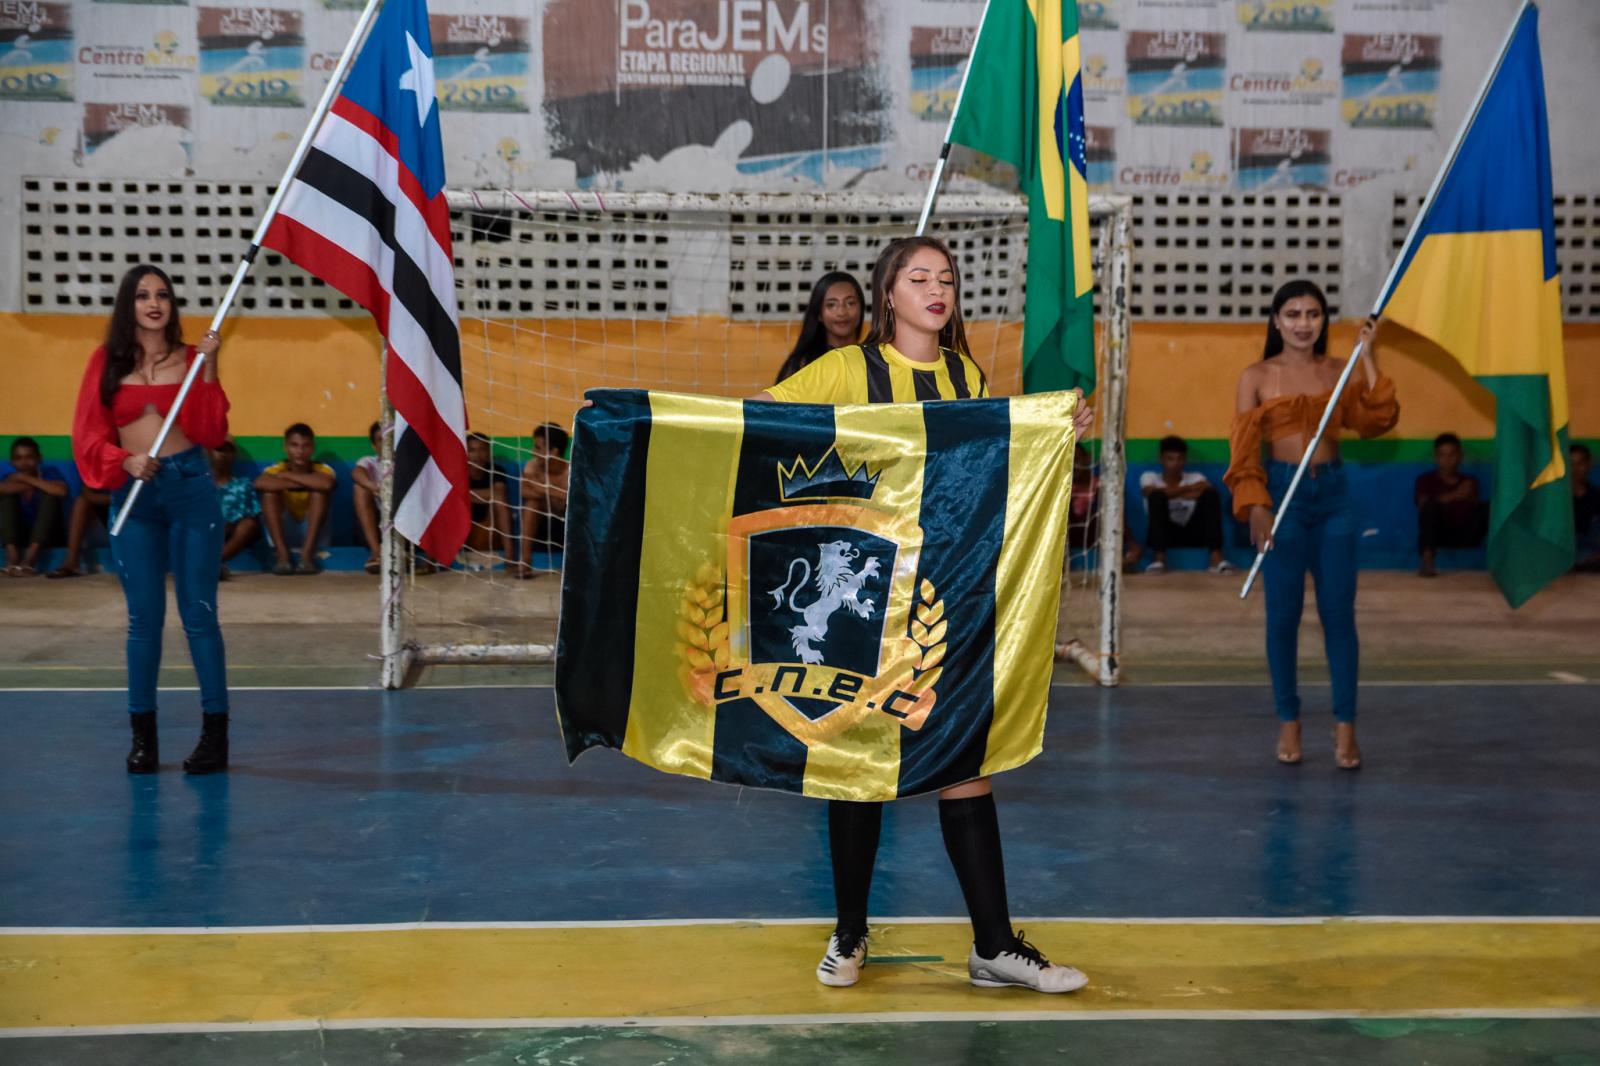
(1481, 281)
(1023, 103)
(847, 602)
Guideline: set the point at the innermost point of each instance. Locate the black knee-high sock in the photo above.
(972, 837)
(853, 842)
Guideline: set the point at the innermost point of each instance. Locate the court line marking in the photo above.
(1532, 682)
(779, 1020)
(656, 923)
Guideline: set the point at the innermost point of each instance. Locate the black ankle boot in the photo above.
(211, 754)
(145, 755)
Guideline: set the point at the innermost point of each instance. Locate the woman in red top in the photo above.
(176, 523)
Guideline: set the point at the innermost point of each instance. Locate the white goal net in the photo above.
(563, 292)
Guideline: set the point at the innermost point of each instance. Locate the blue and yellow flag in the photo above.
(847, 602)
(1481, 281)
(1023, 103)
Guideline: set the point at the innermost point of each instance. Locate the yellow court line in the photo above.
(745, 969)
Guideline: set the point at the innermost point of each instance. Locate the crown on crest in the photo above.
(828, 479)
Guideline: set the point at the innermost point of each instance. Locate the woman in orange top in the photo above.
(176, 524)
(1280, 400)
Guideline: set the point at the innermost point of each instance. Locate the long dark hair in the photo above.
(122, 332)
(1290, 290)
(884, 272)
(813, 340)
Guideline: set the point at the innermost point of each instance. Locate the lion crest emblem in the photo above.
(837, 586)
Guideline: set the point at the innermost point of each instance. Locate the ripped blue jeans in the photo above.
(175, 525)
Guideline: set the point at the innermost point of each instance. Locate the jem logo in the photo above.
(741, 26)
(1399, 48)
(136, 116)
(262, 22)
(474, 29)
(27, 13)
(1174, 44)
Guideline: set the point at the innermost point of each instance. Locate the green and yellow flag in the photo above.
(1023, 103)
(847, 602)
(1481, 281)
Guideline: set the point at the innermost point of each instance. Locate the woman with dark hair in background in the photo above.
(1279, 402)
(176, 525)
(832, 320)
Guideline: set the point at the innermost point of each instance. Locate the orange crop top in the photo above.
(1368, 412)
(95, 441)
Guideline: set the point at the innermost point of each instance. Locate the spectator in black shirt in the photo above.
(1585, 508)
(1451, 512)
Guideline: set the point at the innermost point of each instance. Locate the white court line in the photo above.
(661, 923)
(737, 1020)
(1566, 681)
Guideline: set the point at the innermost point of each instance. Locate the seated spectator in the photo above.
(92, 506)
(1451, 512)
(30, 508)
(1184, 508)
(544, 496)
(1585, 508)
(366, 493)
(241, 508)
(1083, 512)
(491, 509)
(294, 501)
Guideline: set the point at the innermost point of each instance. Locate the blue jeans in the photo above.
(176, 524)
(1318, 534)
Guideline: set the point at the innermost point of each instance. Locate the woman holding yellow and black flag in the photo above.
(917, 350)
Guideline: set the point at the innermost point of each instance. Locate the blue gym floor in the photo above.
(356, 808)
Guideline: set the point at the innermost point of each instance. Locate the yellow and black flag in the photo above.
(847, 602)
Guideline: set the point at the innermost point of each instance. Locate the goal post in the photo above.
(560, 292)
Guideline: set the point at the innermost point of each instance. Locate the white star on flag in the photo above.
(419, 79)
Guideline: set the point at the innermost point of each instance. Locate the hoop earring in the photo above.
(888, 321)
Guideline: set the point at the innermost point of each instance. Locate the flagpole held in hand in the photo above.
(1383, 296)
(368, 14)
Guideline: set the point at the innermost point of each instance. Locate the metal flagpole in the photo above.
(1383, 296)
(944, 152)
(335, 83)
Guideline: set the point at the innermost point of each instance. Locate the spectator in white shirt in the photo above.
(1185, 511)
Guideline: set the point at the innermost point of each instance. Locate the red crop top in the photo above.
(95, 441)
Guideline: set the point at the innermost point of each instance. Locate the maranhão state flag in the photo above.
(854, 602)
(1482, 282)
(1023, 103)
(366, 213)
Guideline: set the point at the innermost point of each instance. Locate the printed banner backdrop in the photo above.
(35, 50)
(853, 602)
(480, 62)
(717, 95)
(738, 94)
(251, 56)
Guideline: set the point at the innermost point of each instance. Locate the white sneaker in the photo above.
(841, 966)
(1022, 965)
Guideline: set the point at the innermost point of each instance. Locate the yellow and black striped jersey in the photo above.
(880, 374)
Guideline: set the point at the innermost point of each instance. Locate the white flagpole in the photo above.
(335, 83)
(944, 152)
(1383, 296)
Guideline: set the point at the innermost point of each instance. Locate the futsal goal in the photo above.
(563, 292)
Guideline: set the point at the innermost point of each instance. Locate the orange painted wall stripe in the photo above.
(325, 371)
